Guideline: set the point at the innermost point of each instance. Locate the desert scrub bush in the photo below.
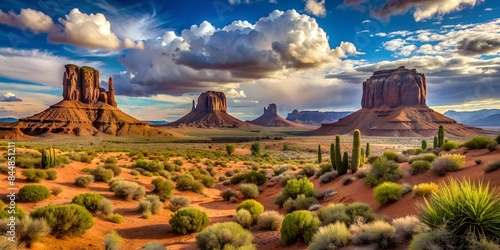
(163, 188)
(33, 193)
(116, 169)
(457, 159)
(34, 175)
(228, 194)
(441, 166)
(270, 220)
(298, 226)
(464, 207)
(6, 212)
(295, 187)
(65, 220)
(331, 236)
(450, 145)
(154, 246)
(435, 239)
(244, 218)
(224, 235)
(492, 166)
(302, 202)
(84, 180)
(189, 220)
(249, 190)
(383, 170)
(325, 167)
(151, 205)
(102, 174)
(32, 230)
(422, 157)
(425, 189)
(56, 190)
(51, 174)
(419, 166)
(308, 170)
(178, 202)
(387, 192)
(187, 182)
(363, 171)
(390, 155)
(6, 244)
(252, 206)
(94, 203)
(328, 176)
(346, 180)
(333, 213)
(127, 190)
(112, 241)
(408, 226)
(256, 177)
(360, 210)
(116, 218)
(379, 232)
(478, 142)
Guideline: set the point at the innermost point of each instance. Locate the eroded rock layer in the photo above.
(270, 118)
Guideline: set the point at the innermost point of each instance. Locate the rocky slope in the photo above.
(270, 118)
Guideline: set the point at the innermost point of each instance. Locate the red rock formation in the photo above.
(212, 101)
(393, 88)
(270, 118)
(111, 93)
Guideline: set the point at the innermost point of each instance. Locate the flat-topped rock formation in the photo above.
(86, 110)
(315, 117)
(270, 118)
(210, 111)
(394, 104)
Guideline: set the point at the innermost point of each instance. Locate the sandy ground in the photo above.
(137, 231)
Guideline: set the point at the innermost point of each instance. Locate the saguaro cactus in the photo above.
(345, 164)
(440, 136)
(319, 154)
(338, 156)
(424, 144)
(332, 155)
(435, 144)
(367, 151)
(356, 151)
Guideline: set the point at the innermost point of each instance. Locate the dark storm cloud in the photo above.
(479, 46)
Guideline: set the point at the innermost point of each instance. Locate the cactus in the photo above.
(356, 150)
(319, 154)
(48, 158)
(53, 157)
(332, 155)
(345, 164)
(338, 156)
(362, 158)
(440, 136)
(367, 151)
(424, 144)
(435, 145)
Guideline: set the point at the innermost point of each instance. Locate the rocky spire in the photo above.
(111, 93)
(212, 101)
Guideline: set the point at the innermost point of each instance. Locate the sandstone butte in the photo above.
(394, 104)
(86, 110)
(210, 111)
(270, 118)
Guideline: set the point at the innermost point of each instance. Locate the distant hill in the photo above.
(157, 122)
(492, 120)
(472, 117)
(315, 117)
(8, 119)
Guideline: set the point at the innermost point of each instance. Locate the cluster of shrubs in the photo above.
(383, 169)
(33, 193)
(293, 189)
(446, 163)
(65, 220)
(163, 188)
(37, 175)
(94, 203)
(126, 190)
(178, 202)
(187, 182)
(249, 190)
(481, 142)
(256, 177)
(84, 180)
(150, 205)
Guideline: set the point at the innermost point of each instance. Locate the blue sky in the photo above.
(299, 54)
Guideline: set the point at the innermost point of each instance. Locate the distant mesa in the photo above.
(394, 104)
(480, 118)
(86, 110)
(315, 117)
(270, 118)
(211, 111)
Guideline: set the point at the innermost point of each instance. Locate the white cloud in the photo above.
(30, 19)
(235, 94)
(9, 97)
(315, 7)
(488, 9)
(366, 21)
(381, 34)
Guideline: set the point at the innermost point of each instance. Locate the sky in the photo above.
(299, 54)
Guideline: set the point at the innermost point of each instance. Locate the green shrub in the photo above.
(492, 166)
(464, 208)
(457, 159)
(308, 170)
(51, 175)
(224, 235)
(189, 220)
(249, 190)
(154, 246)
(56, 190)
(422, 157)
(383, 170)
(300, 203)
(390, 155)
(436, 239)
(229, 149)
(84, 180)
(88, 201)
(359, 209)
(408, 226)
(178, 162)
(252, 176)
(33, 193)
(65, 220)
(450, 145)
(127, 190)
(116, 170)
(34, 175)
(102, 174)
(295, 187)
(380, 233)
(228, 194)
(105, 207)
(6, 244)
(387, 192)
(255, 149)
(151, 204)
(478, 142)
(163, 188)
(244, 218)
(331, 236)
(441, 166)
(116, 218)
(497, 139)
(253, 206)
(18, 212)
(178, 202)
(187, 182)
(112, 241)
(425, 189)
(328, 176)
(270, 220)
(32, 230)
(333, 213)
(419, 166)
(298, 226)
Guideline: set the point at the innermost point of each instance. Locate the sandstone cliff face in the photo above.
(393, 88)
(212, 101)
(271, 110)
(82, 84)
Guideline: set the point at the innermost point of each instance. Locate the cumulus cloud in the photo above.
(235, 94)
(29, 19)
(9, 97)
(399, 46)
(204, 56)
(480, 45)
(315, 7)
